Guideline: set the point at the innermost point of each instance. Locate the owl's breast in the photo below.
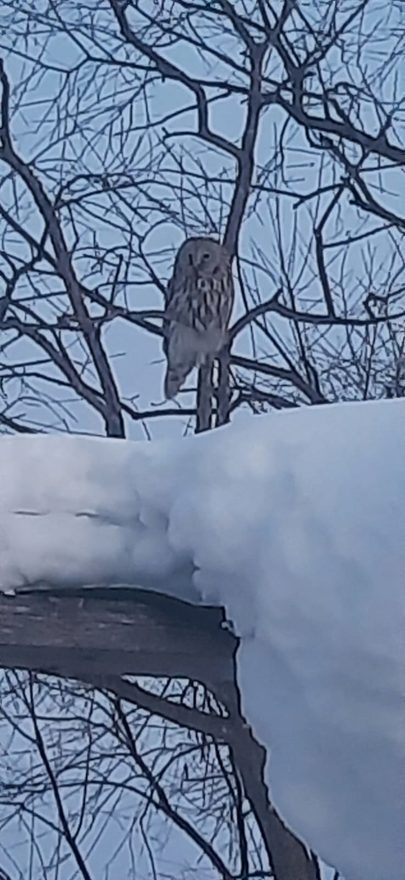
(205, 303)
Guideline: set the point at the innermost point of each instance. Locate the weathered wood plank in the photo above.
(114, 631)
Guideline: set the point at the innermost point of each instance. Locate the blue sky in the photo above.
(114, 141)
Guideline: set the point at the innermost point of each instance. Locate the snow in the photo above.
(296, 523)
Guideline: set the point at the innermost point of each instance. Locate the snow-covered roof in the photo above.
(295, 522)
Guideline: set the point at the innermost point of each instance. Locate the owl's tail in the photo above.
(174, 379)
(179, 348)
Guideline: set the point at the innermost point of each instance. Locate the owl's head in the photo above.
(203, 256)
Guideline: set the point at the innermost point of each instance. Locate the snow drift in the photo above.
(296, 523)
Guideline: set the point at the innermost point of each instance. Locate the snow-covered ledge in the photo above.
(105, 638)
(295, 523)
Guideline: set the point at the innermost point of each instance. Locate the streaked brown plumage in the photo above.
(198, 308)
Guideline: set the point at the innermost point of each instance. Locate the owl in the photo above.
(198, 307)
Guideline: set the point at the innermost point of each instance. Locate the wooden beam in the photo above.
(115, 631)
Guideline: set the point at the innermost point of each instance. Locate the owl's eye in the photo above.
(206, 256)
(190, 259)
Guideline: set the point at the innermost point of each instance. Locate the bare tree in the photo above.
(124, 127)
